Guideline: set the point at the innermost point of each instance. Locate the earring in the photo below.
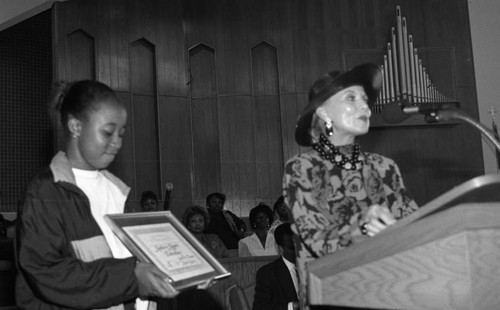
(75, 136)
(329, 127)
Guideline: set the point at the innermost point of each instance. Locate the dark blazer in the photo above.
(274, 287)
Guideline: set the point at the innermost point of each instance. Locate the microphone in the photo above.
(435, 111)
(168, 189)
(395, 112)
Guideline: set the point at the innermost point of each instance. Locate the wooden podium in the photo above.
(446, 255)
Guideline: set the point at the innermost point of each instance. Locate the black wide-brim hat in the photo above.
(369, 76)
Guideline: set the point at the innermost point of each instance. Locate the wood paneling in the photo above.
(205, 121)
(252, 63)
(176, 150)
(266, 96)
(237, 143)
(81, 55)
(144, 108)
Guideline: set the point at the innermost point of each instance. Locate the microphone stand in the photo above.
(168, 190)
(449, 114)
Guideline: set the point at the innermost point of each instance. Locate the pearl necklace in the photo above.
(328, 151)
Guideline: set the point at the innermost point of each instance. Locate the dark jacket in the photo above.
(219, 225)
(63, 258)
(274, 287)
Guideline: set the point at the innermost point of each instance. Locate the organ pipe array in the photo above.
(405, 79)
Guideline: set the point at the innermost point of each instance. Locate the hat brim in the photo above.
(366, 75)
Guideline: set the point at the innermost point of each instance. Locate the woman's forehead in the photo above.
(351, 89)
(110, 112)
(355, 89)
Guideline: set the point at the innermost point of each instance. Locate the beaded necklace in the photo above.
(328, 151)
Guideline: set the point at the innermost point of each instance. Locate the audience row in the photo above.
(220, 230)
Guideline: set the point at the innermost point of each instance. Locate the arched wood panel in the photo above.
(144, 107)
(81, 51)
(266, 97)
(205, 123)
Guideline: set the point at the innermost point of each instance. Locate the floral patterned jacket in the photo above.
(327, 203)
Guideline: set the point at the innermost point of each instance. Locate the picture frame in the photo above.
(161, 239)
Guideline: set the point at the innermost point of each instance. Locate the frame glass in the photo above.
(161, 239)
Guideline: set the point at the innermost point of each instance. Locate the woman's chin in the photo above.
(363, 127)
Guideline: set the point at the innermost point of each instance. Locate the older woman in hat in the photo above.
(336, 192)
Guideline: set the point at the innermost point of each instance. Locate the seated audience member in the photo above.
(260, 243)
(4, 224)
(280, 212)
(276, 283)
(195, 218)
(224, 223)
(149, 201)
(6, 242)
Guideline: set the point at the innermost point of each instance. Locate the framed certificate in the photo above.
(161, 239)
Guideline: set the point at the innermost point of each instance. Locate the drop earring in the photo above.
(329, 127)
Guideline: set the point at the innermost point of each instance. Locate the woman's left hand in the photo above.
(376, 219)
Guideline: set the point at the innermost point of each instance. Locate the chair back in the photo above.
(237, 297)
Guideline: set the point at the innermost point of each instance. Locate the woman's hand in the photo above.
(376, 219)
(153, 282)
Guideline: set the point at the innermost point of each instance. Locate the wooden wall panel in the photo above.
(147, 163)
(119, 46)
(144, 108)
(203, 76)
(237, 144)
(172, 54)
(81, 51)
(201, 22)
(261, 22)
(206, 158)
(176, 150)
(268, 153)
(233, 50)
(143, 68)
(205, 123)
(309, 38)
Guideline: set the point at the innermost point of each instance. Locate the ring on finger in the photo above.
(364, 228)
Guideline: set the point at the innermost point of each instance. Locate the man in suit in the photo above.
(276, 283)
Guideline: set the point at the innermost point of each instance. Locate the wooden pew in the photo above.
(243, 271)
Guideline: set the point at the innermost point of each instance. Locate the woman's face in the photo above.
(215, 205)
(282, 211)
(196, 223)
(349, 111)
(99, 138)
(261, 220)
(150, 204)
